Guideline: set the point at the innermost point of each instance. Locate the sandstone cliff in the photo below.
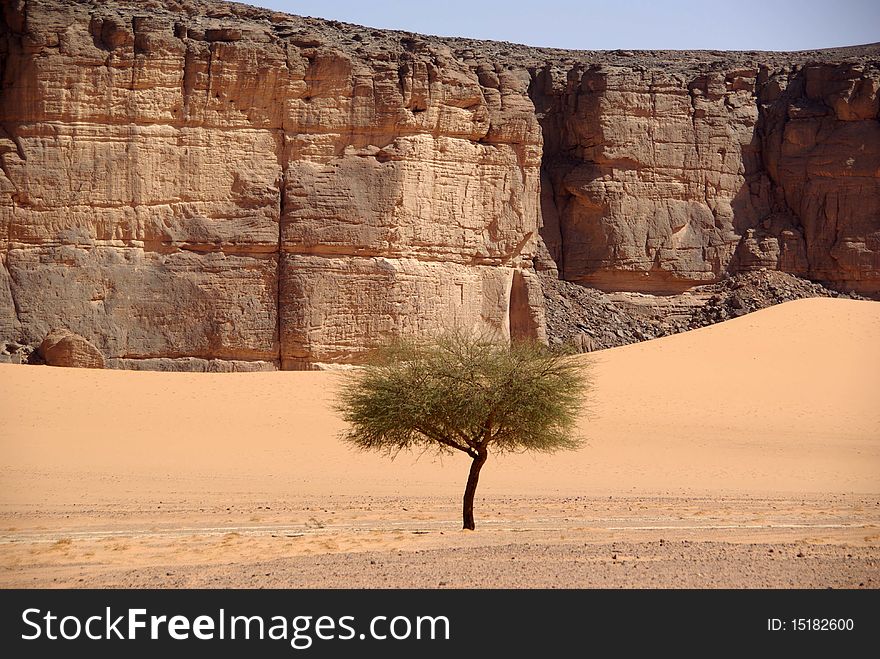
(659, 177)
(205, 185)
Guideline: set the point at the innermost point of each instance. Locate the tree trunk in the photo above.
(471, 489)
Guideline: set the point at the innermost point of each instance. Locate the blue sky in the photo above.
(632, 24)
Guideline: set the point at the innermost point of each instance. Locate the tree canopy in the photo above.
(466, 393)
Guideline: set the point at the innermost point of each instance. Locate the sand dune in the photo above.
(783, 400)
(779, 403)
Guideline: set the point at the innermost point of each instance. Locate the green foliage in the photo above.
(467, 393)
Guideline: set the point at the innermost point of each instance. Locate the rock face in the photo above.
(658, 179)
(211, 186)
(64, 348)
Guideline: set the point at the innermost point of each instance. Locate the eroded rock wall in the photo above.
(210, 186)
(142, 180)
(661, 178)
(210, 181)
(820, 134)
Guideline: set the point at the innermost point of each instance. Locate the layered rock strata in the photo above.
(211, 186)
(661, 178)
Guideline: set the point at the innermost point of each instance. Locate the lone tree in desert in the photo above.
(464, 393)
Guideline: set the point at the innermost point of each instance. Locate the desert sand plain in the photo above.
(746, 454)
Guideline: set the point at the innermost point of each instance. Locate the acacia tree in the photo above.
(464, 393)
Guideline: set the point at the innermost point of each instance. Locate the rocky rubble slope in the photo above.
(211, 186)
(585, 319)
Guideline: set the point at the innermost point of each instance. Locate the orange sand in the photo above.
(779, 403)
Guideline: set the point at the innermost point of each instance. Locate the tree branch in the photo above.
(486, 435)
(467, 440)
(438, 437)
